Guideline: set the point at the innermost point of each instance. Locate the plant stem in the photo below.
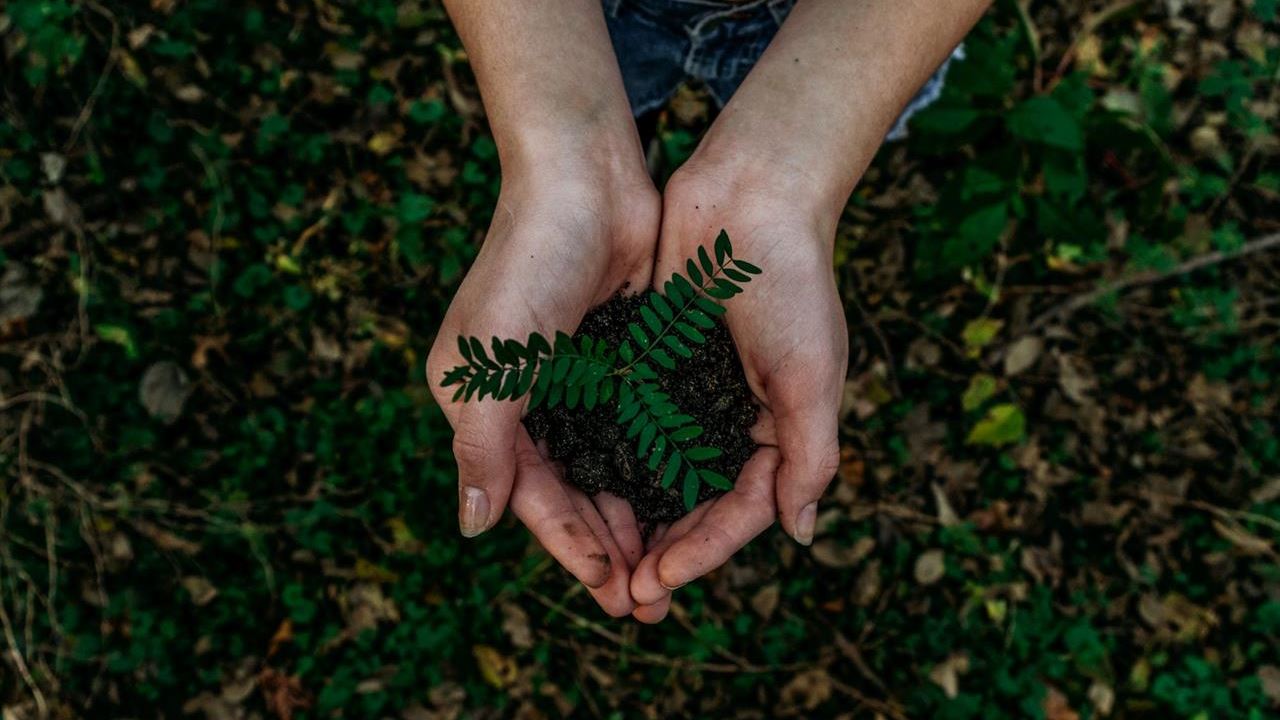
(675, 317)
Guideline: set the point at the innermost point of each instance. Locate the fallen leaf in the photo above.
(1269, 676)
(1022, 354)
(383, 143)
(164, 390)
(930, 566)
(283, 694)
(867, 587)
(1245, 541)
(201, 590)
(946, 674)
(1056, 706)
(515, 623)
(981, 387)
(807, 690)
(1003, 425)
(979, 333)
(946, 514)
(1103, 697)
(60, 208)
(20, 294)
(765, 601)
(1074, 379)
(497, 669)
(832, 553)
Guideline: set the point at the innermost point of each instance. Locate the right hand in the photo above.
(562, 240)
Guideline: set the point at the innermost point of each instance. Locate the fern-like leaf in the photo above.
(584, 372)
(669, 322)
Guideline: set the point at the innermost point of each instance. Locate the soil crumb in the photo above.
(594, 450)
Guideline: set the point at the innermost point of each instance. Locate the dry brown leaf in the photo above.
(1103, 697)
(201, 590)
(930, 566)
(946, 674)
(163, 391)
(867, 587)
(1269, 676)
(1022, 354)
(1056, 706)
(765, 601)
(946, 514)
(831, 553)
(515, 623)
(807, 690)
(1245, 541)
(20, 294)
(283, 694)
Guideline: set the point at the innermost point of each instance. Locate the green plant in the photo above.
(587, 372)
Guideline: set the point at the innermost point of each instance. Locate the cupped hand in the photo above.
(560, 243)
(789, 329)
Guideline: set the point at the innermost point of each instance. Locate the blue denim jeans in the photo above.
(662, 43)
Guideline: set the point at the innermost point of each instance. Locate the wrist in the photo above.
(782, 176)
(600, 148)
(753, 185)
(600, 189)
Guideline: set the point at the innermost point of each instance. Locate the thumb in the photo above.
(484, 443)
(810, 447)
(484, 446)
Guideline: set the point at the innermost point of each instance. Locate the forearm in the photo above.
(819, 102)
(550, 81)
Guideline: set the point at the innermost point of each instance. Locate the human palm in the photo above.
(790, 333)
(554, 250)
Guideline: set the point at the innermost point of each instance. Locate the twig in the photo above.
(87, 111)
(20, 662)
(1091, 24)
(1065, 310)
(651, 658)
(879, 706)
(1033, 39)
(884, 343)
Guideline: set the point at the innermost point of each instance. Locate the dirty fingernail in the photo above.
(474, 513)
(806, 519)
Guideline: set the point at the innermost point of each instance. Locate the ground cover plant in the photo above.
(227, 234)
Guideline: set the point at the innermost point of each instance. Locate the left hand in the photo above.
(789, 329)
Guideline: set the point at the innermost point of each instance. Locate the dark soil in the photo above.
(594, 450)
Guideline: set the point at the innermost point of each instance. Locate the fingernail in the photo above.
(806, 519)
(474, 513)
(670, 588)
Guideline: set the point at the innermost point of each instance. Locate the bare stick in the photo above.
(1150, 277)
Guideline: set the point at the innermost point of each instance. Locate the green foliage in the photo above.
(291, 534)
(590, 372)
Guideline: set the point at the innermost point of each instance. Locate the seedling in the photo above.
(584, 372)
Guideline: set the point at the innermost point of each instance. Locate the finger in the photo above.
(484, 446)
(544, 505)
(622, 526)
(659, 532)
(810, 448)
(614, 596)
(764, 432)
(732, 521)
(655, 613)
(646, 588)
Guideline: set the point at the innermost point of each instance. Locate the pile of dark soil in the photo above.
(594, 450)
